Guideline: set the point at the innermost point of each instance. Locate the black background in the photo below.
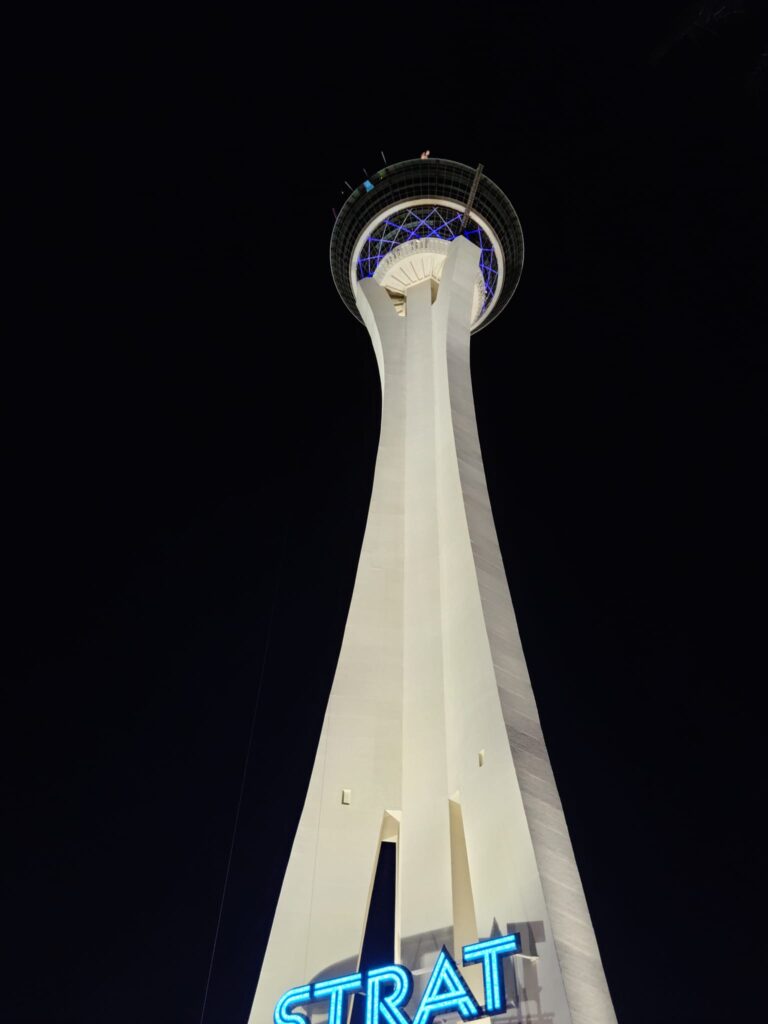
(191, 427)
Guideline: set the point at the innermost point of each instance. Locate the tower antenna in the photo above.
(471, 199)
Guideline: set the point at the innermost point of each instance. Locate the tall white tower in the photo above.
(431, 739)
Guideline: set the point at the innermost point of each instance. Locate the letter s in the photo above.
(294, 997)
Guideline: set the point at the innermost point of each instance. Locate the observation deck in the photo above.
(397, 225)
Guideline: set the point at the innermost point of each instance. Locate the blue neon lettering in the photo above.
(490, 953)
(446, 992)
(387, 1008)
(389, 989)
(296, 997)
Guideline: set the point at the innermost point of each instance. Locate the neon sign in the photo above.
(388, 989)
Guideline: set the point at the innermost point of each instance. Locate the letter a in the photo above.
(446, 991)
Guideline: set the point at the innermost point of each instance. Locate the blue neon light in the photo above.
(426, 222)
(296, 997)
(490, 954)
(446, 992)
(338, 991)
(388, 1008)
(389, 989)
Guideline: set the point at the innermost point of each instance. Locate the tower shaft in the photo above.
(431, 738)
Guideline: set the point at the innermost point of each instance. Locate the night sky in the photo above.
(188, 451)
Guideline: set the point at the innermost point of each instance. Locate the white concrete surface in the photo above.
(431, 723)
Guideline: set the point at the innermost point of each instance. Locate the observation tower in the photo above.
(431, 740)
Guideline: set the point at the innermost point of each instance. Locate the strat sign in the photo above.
(388, 989)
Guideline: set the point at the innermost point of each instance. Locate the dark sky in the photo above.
(191, 428)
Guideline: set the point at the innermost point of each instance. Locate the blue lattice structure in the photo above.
(430, 221)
